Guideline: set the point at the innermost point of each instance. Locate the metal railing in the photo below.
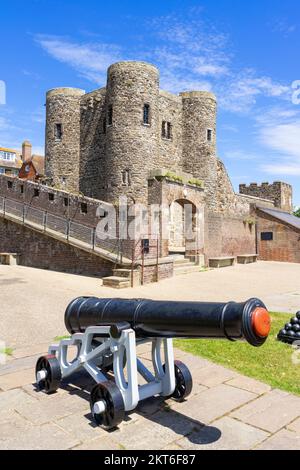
(76, 233)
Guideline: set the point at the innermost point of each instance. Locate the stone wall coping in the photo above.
(198, 94)
(131, 64)
(49, 189)
(169, 95)
(67, 91)
(254, 198)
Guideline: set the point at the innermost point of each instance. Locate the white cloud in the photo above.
(240, 155)
(282, 169)
(91, 60)
(283, 138)
(191, 55)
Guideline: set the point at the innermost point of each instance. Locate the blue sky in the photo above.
(245, 52)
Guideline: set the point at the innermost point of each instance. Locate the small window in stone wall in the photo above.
(83, 208)
(166, 130)
(126, 178)
(110, 115)
(9, 184)
(66, 202)
(36, 193)
(209, 135)
(51, 197)
(58, 132)
(146, 114)
(22, 189)
(266, 236)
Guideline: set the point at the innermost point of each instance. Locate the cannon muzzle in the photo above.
(248, 321)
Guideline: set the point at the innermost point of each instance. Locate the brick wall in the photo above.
(40, 251)
(229, 236)
(285, 245)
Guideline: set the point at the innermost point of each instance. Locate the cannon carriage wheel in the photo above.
(183, 382)
(107, 405)
(48, 374)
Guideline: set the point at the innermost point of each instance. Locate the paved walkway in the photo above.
(225, 411)
(42, 296)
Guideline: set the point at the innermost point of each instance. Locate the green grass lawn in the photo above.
(272, 363)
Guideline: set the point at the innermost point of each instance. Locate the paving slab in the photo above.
(270, 412)
(246, 383)
(283, 440)
(81, 426)
(11, 425)
(47, 437)
(29, 351)
(212, 375)
(214, 403)
(42, 412)
(294, 426)
(155, 432)
(224, 434)
(16, 379)
(12, 398)
(101, 443)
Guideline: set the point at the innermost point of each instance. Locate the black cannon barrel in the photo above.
(248, 321)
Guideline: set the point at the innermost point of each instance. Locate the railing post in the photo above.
(68, 229)
(94, 238)
(45, 220)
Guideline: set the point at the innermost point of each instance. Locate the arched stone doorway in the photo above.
(184, 228)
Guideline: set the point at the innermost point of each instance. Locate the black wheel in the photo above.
(183, 380)
(50, 366)
(114, 409)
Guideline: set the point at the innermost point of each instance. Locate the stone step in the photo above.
(126, 273)
(178, 271)
(117, 282)
(183, 262)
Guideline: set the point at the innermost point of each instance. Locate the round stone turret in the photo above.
(63, 137)
(199, 138)
(132, 122)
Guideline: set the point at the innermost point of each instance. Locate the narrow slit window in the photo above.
(126, 178)
(22, 189)
(58, 132)
(146, 114)
(166, 130)
(51, 197)
(110, 115)
(9, 184)
(209, 135)
(169, 130)
(83, 208)
(66, 202)
(36, 193)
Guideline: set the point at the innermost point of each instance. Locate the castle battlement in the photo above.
(278, 192)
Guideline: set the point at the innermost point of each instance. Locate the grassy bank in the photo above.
(272, 363)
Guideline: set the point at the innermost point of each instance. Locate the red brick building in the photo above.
(278, 235)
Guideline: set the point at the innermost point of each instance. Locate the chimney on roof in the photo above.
(26, 151)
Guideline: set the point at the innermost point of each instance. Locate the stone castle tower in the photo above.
(106, 143)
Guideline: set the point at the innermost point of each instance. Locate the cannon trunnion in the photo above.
(107, 332)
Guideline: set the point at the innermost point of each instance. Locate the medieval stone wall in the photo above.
(279, 193)
(92, 165)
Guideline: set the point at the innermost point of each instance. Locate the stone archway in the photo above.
(183, 223)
